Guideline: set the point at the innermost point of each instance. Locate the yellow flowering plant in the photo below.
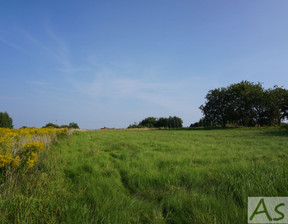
(20, 147)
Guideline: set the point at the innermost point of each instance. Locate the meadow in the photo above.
(149, 176)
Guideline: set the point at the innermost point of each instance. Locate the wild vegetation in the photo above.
(150, 176)
(19, 148)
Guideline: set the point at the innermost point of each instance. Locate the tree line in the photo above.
(244, 104)
(7, 122)
(162, 122)
(71, 125)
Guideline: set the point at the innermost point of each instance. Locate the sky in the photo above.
(112, 63)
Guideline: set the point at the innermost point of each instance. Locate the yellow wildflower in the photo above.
(30, 162)
(16, 161)
(34, 146)
(34, 156)
(18, 145)
(5, 160)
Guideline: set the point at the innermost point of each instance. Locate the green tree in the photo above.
(280, 96)
(245, 104)
(152, 122)
(246, 99)
(149, 122)
(201, 123)
(162, 122)
(73, 125)
(51, 125)
(218, 109)
(175, 122)
(135, 125)
(5, 120)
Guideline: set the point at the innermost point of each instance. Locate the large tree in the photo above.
(246, 100)
(245, 104)
(217, 109)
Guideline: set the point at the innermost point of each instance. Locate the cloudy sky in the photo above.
(111, 63)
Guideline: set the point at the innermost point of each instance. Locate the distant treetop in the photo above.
(71, 125)
(153, 122)
(5, 120)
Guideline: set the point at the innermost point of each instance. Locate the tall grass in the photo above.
(151, 176)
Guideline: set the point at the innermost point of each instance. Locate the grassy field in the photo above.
(150, 176)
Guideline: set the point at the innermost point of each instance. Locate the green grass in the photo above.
(150, 176)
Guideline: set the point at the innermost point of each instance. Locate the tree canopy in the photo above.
(73, 125)
(149, 122)
(5, 120)
(245, 104)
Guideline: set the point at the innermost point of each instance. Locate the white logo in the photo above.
(267, 209)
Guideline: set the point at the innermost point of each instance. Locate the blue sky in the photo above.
(111, 63)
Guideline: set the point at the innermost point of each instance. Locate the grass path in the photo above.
(154, 176)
